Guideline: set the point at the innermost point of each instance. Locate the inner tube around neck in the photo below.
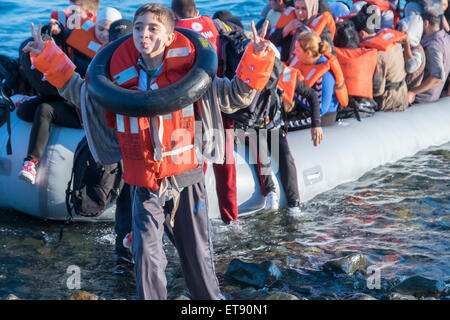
(154, 102)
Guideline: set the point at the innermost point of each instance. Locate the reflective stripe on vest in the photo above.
(315, 72)
(203, 25)
(322, 21)
(385, 39)
(84, 40)
(288, 82)
(157, 147)
(287, 16)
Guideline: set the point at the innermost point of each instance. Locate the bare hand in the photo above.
(292, 26)
(37, 45)
(261, 45)
(316, 136)
(411, 97)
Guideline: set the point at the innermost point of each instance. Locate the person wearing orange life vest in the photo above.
(392, 92)
(157, 56)
(360, 82)
(78, 12)
(389, 13)
(304, 16)
(43, 111)
(187, 16)
(84, 43)
(320, 70)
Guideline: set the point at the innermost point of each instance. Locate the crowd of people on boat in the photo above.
(305, 65)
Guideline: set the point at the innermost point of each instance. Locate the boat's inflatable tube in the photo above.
(349, 150)
(46, 198)
(157, 102)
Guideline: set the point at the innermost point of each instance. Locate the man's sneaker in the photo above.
(295, 212)
(271, 202)
(28, 172)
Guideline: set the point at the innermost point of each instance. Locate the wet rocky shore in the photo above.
(344, 278)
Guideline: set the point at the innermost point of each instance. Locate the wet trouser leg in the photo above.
(288, 171)
(258, 147)
(192, 237)
(122, 224)
(225, 175)
(192, 234)
(286, 165)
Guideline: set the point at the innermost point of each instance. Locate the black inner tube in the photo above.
(157, 102)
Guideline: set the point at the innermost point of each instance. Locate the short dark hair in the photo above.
(434, 20)
(162, 13)
(184, 8)
(346, 35)
(367, 19)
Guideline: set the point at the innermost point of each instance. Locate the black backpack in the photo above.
(267, 106)
(94, 186)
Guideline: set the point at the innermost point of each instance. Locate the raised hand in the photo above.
(261, 45)
(37, 45)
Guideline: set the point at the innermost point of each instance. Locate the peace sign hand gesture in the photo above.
(37, 45)
(261, 45)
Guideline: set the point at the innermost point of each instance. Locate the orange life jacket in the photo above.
(84, 40)
(157, 147)
(205, 26)
(313, 72)
(324, 20)
(286, 17)
(318, 24)
(288, 82)
(385, 39)
(358, 66)
(384, 5)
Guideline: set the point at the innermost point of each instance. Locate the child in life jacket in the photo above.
(413, 52)
(44, 111)
(321, 71)
(304, 16)
(83, 44)
(155, 57)
(78, 12)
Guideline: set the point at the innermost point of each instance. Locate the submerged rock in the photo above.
(361, 296)
(83, 295)
(253, 274)
(281, 296)
(348, 264)
(398, 296)
(420, 287)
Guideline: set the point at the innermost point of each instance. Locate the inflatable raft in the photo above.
(350, 149)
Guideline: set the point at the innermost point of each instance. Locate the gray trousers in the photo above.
(192, 239)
